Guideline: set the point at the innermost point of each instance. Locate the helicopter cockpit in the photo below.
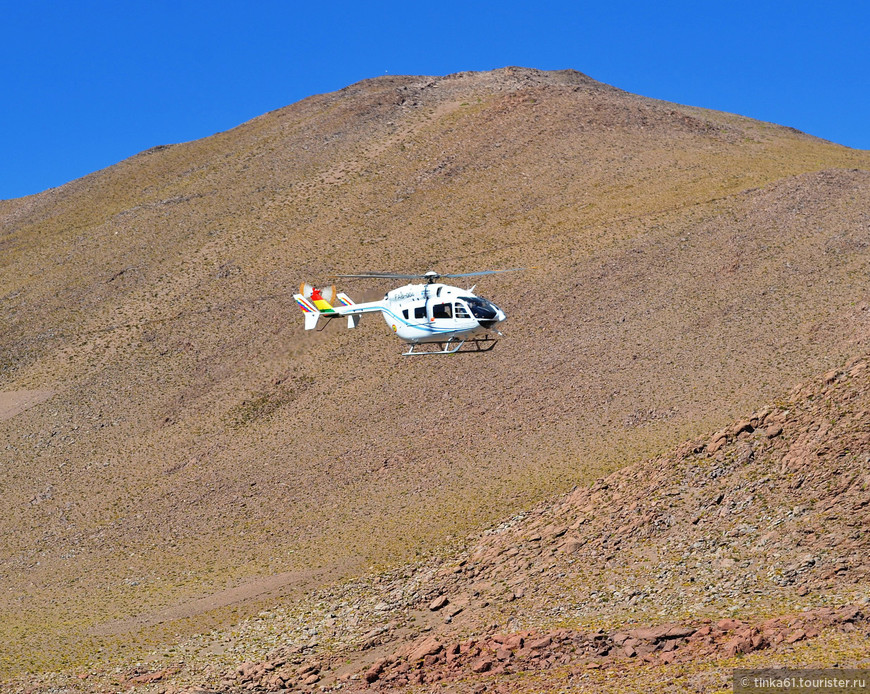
(483, 310)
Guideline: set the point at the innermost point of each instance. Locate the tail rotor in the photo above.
(327, 294)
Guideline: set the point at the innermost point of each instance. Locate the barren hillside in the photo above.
(177, 452)
(743, 548)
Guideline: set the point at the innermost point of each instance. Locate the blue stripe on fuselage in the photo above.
(426, 328)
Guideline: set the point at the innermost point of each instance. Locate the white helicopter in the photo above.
(434, 317)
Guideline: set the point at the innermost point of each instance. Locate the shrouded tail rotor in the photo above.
(309, 291)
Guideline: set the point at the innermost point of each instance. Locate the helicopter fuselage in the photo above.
(421, 313)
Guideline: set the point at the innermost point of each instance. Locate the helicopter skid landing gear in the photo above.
(482, 344)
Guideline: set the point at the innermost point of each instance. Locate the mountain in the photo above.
(178, 452)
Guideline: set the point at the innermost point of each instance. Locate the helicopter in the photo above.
(433, 318)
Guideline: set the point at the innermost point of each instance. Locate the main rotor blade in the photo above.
(484, 272)
(430, 275)
(383, 275)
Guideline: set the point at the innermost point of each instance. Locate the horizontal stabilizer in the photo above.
(344, 299)
(304, 304)
(315, 305)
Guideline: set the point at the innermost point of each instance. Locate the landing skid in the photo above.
(481, 344)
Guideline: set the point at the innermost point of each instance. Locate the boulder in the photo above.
(741, 426)
(429, 646)
(662, 632)
(795, 636)
(716, 442)
(540, 644)
(482, 664)
(438, 603)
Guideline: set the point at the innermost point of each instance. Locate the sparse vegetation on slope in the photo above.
(748, 543)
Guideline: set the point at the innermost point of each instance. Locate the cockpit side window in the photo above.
(459, 311)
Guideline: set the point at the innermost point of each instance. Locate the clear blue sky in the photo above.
(86, 83)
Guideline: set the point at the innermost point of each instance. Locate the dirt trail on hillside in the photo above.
(16, 401)
(263, 588)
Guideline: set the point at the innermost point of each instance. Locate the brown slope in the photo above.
(691, 264)
(740, 549)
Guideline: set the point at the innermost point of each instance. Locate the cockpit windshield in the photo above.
(480, 308)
